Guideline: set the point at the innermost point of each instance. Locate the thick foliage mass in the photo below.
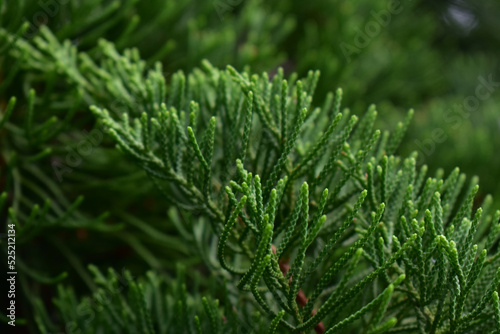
(283, 214)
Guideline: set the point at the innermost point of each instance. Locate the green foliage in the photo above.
(285, 213)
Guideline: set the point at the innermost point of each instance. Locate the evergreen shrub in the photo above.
(207, 198)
